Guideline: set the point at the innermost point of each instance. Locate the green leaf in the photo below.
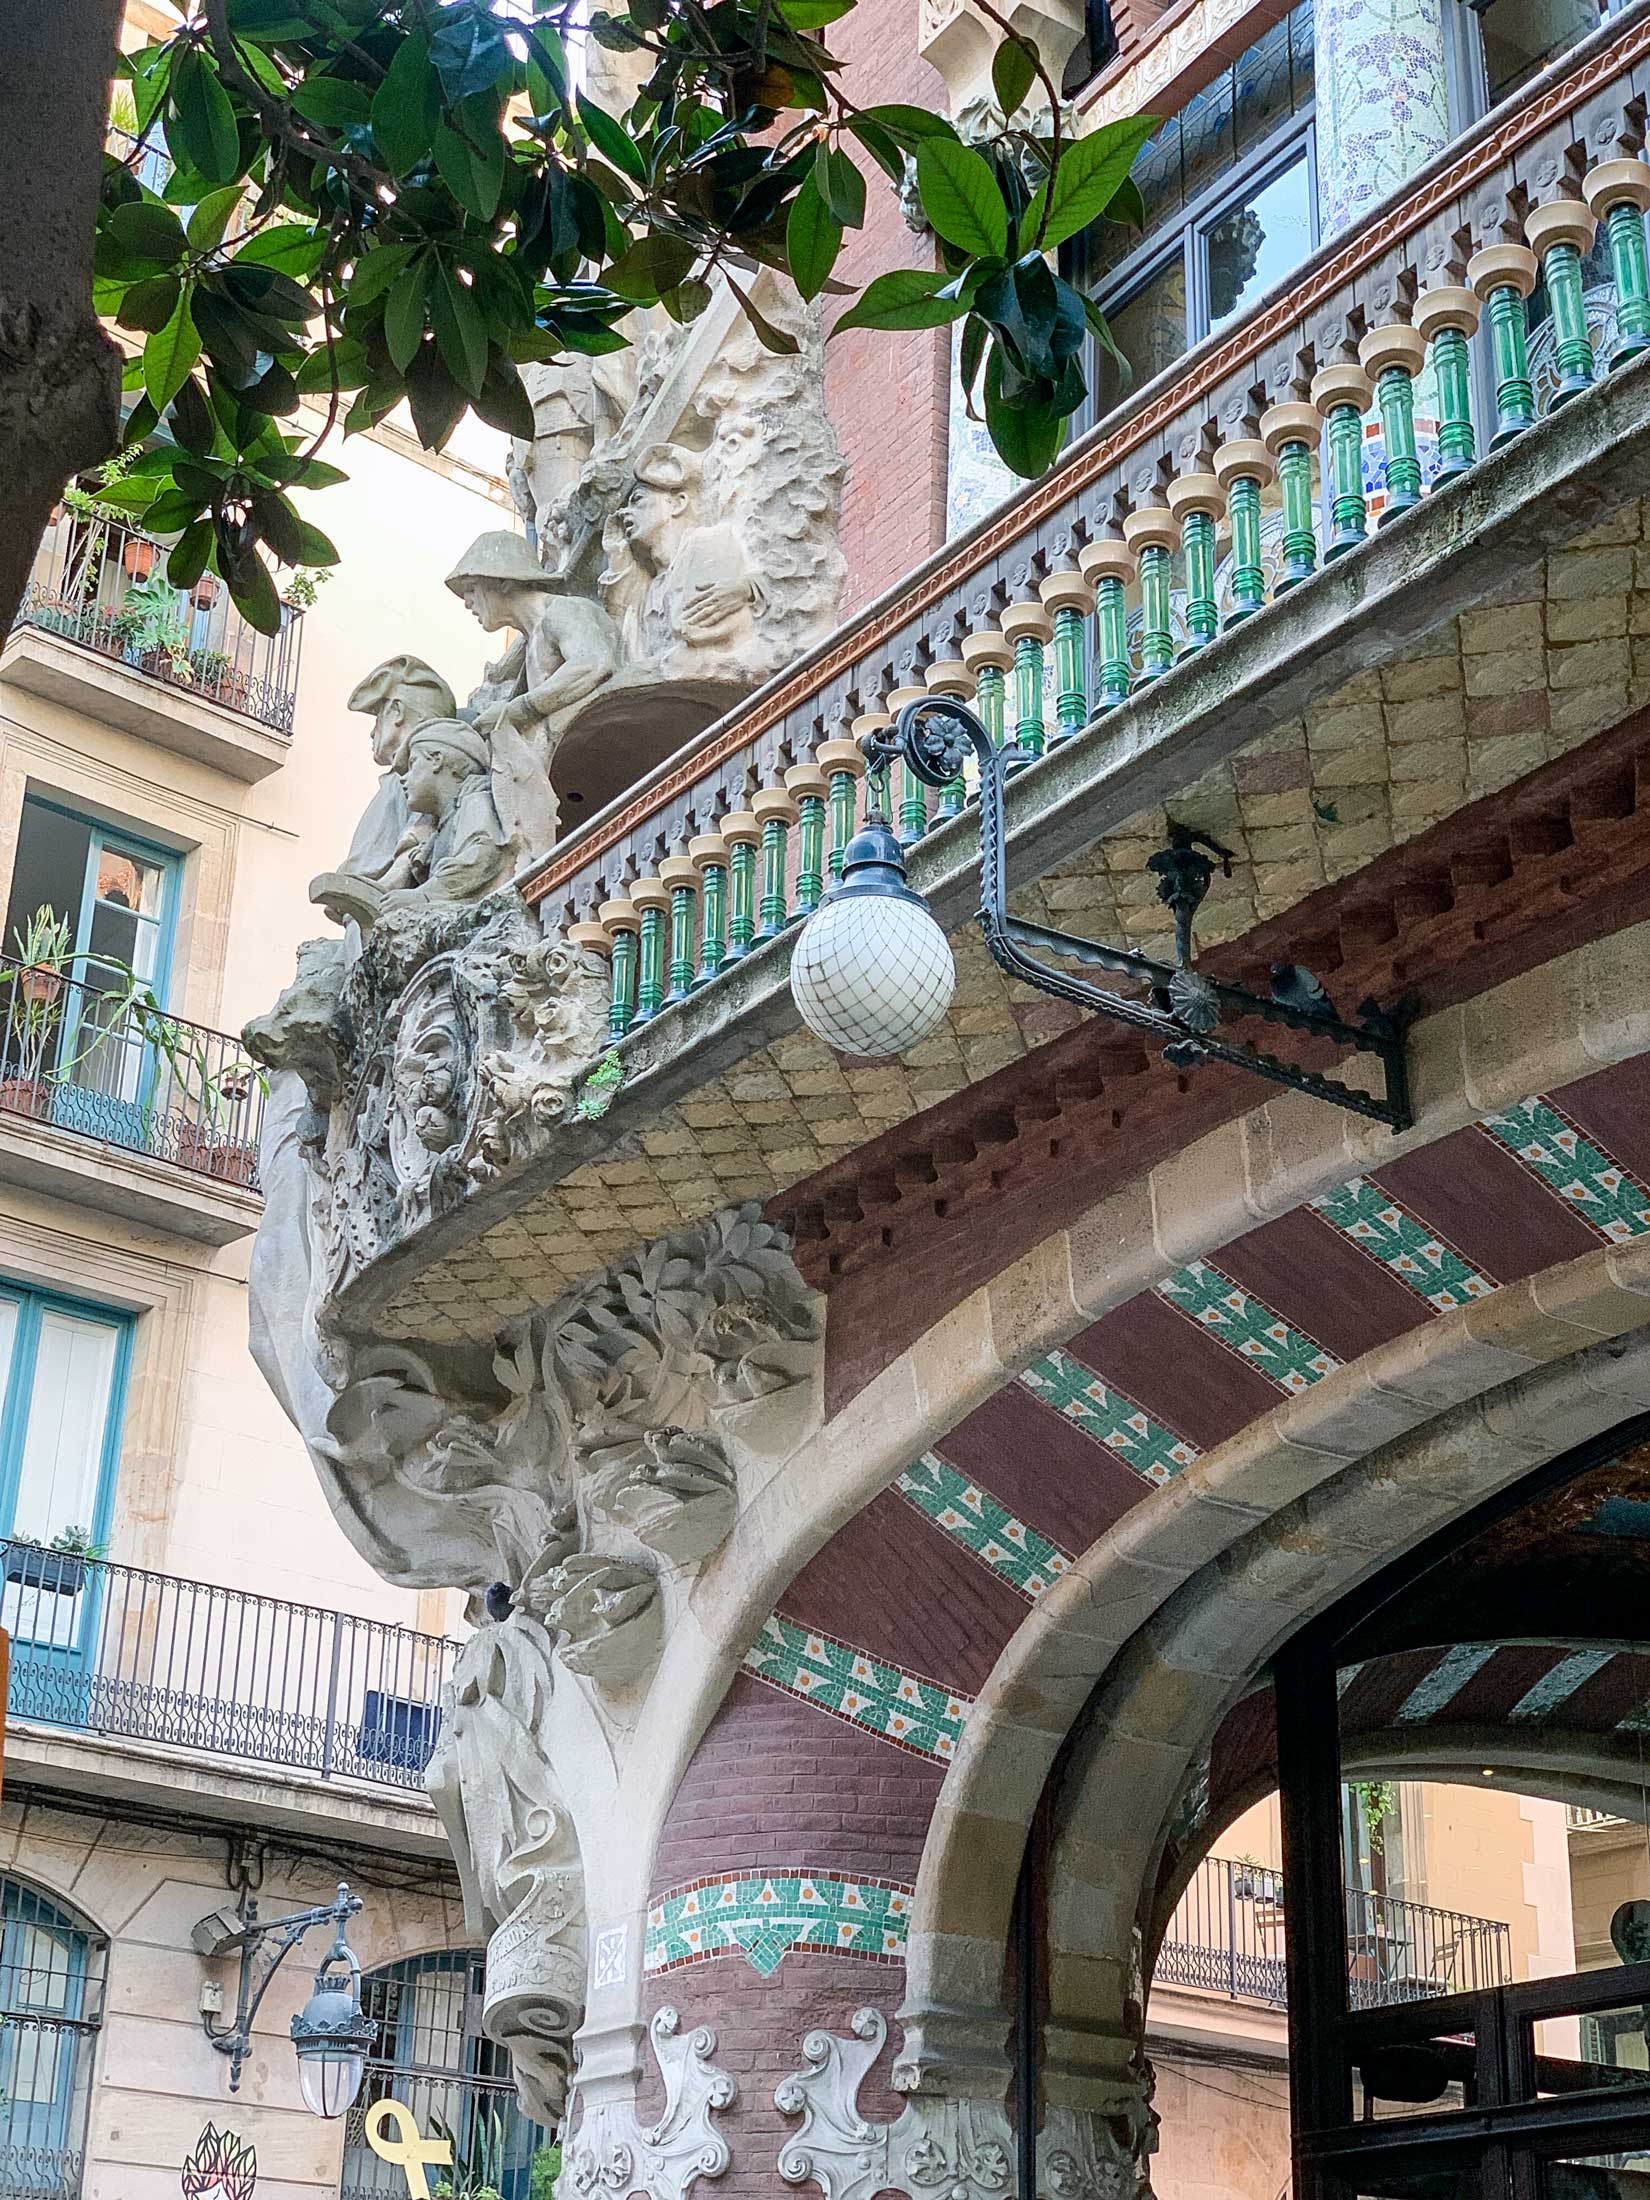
(254, 593)
(469, 51)
(192, 422)
(172, 510)
(771, 338)
(436, 400)
(1027, 438)
(202, 119)
(292, 247)
(150, 305)
(813, 15)
(210, 220)
(612, 142)
(904, 298)
(473, 174)
(1013, 72)
(504, 403)
(331, 103)
(293, 540)
(653, 265)
(960, 197)
(190, 554)
(150, 232)
(813, 238)
(460, 329)
(841, 186)
(913, 123)
(406, 106)
(1088, 178)
(170, 353)
(404, 315)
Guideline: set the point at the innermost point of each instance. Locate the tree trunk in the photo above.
(59, 373)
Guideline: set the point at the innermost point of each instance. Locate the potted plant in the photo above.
(216, 1098)
(138, 557)
(41, 953)
(58, 1567)
(150, 624)
(204, 594)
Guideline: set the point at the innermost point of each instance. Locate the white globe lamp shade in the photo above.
(330, 2080)
(332, 2034)
(872, 973)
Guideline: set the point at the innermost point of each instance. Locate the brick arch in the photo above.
(815, 1739)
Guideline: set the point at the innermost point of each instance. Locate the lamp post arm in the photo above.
(263, 1951)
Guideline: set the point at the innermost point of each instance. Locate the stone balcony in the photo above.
(1327, 709)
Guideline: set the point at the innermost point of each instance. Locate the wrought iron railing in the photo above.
(84, 586)
(494, 2141)
(150, 163)
(94, 1054)
(116, 1650)
(1227, 1937)
(44, 2108)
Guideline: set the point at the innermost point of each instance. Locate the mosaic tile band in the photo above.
(986, 1529)
(763, 1917)
(1555, 1152)
(903, 1708)
(1127, 1430)
(1403, 1244)
(1247, 1326)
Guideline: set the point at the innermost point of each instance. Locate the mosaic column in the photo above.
(1383, 101)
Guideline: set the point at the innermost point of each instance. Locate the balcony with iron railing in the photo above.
(100, 628)
(122, 1653)
(1227, 1937)
(92, 1063)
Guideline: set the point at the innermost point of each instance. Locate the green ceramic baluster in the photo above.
(1196, 502)
(843, 764)
(805, 784)
(622, 921)
(776, 813)
(1243, 468)
(1561, 235)
(1444, 319)
(652, 898)
(1028, 629)
(1618, 191)
(1150, 533)
(1342, 395)
(1069, 601)
(1109, 565)
(741, 832)
(1392, 357)
(710, 856)
(1291, 433)
(911, 821)
(681, 875)
(988, 655)
(1503, 276)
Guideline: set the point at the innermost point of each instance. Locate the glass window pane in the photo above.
(1262, 85)
(1150, 332)
(49, 870)
(130, 881)
(1258, 244)
(67, 1414)
(1522, 36)
(1207, 127)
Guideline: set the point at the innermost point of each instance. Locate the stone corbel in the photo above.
(957, 39)
(613, 2154)
(965, 2148)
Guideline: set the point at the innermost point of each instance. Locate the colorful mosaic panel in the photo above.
(900, 1707)
(1403, 1245)
(764, 1918)
(1615, 1204)
(986, 1529)
(1128, 1431)
(1248, 1327)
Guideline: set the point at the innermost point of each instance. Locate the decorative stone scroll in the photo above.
(963, 2149)
(613, 2154)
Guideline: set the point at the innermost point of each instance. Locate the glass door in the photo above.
(107, 1067)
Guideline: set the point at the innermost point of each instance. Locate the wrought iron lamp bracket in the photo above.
(1179, 1004)
(264, 1948)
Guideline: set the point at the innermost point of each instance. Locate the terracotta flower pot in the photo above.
(204, 594)
(40, 982)
(139, 558)
(29, 1096)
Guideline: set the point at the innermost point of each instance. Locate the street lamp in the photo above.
(872, 972)
(331, 2033)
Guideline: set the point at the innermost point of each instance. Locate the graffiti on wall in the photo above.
(222, 2167)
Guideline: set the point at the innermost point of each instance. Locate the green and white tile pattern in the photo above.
(764, 1917)
(903, 1708)
(1128, 1431)
(1403, 1245)
(986, 1529)
(1247, 1326)
(1602, 1193)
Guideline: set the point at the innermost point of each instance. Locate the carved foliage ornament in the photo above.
(964, 2150)
(612, 2154)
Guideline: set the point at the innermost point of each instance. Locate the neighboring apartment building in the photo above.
(222, 1701)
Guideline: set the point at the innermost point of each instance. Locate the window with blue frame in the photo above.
(73, 1050)
(51, 2004)
(64, 1366)
(431, 2053)
(1230, 198)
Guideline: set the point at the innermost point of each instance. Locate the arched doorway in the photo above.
(431, 2053)
(51, 2006)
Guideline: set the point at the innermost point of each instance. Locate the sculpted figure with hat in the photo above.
(567, 647)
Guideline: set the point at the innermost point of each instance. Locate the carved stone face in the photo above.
(392, 732)
(490, 603)
(434, 778)
(650, 522)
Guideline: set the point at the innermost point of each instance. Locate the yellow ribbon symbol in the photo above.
(407, 2151)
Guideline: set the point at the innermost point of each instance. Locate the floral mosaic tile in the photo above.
(986, 1529)
(903, 1708)
(1549, 1145)
(1247, 1326)
(1403, 1244)
(764, 1916)
(1128, 1431)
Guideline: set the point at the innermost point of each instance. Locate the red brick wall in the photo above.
(886, 392)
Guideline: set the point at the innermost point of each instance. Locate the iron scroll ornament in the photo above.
(934, 736)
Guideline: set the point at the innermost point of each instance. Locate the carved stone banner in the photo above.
(613, 2154)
